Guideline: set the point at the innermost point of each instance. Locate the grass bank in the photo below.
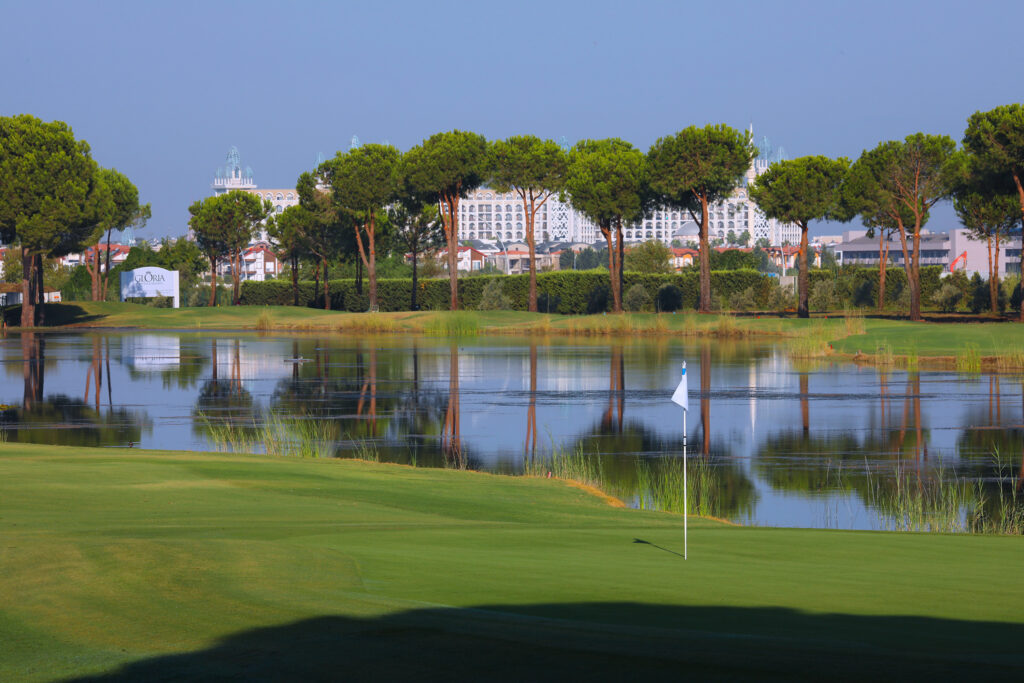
(142, 565)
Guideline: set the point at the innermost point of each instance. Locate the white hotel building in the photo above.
(488, 215)
(232, 177)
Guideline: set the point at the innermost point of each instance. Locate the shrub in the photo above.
(493, 297)
(823, 296)
(548, 303)
(947, 297)
(744, 301)
(781, 298)
(670, 298)
(636, 299)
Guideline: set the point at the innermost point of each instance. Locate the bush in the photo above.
(493, 298)
(744, 301)
(670, 298)
(636, 299)
(781, 298)
(597, 300)
(947, 297)
(823, 296)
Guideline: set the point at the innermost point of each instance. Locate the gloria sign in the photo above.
(150, 281)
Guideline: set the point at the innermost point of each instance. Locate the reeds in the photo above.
(573, 465)
(276, 435)
(661, 487)
(264, 322)
(884, 355)
(968, 359)
(1011, 360)
(453, 324)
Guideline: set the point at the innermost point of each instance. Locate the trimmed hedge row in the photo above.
(567, 292)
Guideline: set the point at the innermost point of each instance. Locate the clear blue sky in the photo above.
(161, 90)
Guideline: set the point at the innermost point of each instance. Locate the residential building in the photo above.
(468, 259)
(232, 176)
(954, 250)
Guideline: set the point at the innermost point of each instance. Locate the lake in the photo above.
(771, 441)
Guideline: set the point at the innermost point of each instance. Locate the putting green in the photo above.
(146, 564)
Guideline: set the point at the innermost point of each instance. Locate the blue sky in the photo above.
(160, 90)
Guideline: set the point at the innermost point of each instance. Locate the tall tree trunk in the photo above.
(106, 272)
(213, 280)
(236, 276)
(531, 244)
(907, 267)
(371, 266)
(359, 274)
(803, 310)
(316, 281)
(40, 291)
(915, 286)
(883, 258)
(993, 280)
(704, 305)
(412, 305)
(94, 272)
(451, 229)
(28, 289)
(620, 261)
(295, 280)
(327, 287)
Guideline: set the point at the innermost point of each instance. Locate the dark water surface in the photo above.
(771, 441)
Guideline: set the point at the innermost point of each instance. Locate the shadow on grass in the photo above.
(55, 315)
(601, 641)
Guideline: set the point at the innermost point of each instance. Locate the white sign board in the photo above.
(150, 281)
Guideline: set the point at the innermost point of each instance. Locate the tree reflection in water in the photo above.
(225, 412)
(631, 461)
(60, 419)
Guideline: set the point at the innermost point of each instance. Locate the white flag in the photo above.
(681, 395)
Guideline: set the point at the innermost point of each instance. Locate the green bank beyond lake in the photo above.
(156, 565)
(851, 336)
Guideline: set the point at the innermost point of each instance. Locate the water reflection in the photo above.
(822, 445)
(59, 419)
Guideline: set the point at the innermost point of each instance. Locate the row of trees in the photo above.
(891, 187)
(56, 200)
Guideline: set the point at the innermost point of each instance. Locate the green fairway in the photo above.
(935, 339)
(159, 565)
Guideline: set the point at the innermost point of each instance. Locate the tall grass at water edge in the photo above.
(943, 502)
(276, 435)
(656, 488)
(968, 359)
(454, 324)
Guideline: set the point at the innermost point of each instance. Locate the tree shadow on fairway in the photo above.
(601, 641)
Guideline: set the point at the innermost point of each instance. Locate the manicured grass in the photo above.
(160, 565)
(934, 339)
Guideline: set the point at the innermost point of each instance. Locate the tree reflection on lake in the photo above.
(771, 440)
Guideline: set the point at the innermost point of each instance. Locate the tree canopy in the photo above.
(697, 167)
(996, 138)
(534, 169)
(799, 191)
(443, 169)
(46, 197)
(607, 182)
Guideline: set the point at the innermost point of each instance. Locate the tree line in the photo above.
(55, 202)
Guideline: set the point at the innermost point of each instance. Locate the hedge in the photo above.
(859, 286)
(567, 291)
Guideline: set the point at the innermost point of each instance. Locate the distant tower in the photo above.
(128, 237)
(563, 142)
(319, 160)
(354, 143)
(232, 176)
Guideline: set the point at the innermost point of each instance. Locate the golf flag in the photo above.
(681, 395)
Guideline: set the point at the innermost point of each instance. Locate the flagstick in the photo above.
(686, 509)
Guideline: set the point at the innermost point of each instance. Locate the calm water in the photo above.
(776, 443)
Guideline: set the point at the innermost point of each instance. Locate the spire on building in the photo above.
(354, 142)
